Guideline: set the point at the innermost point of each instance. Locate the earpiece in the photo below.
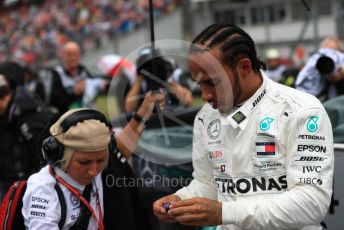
(52, 149)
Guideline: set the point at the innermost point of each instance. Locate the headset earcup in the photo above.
(52, 150)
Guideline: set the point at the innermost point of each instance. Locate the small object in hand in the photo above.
(166, 206)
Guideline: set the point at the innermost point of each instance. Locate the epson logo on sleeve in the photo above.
(39, 200)
(311, 148)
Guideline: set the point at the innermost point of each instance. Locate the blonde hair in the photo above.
(66, 158)
(333, 42)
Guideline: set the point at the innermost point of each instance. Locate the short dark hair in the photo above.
(234, 43)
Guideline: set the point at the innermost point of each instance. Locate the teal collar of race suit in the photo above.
(239, 117)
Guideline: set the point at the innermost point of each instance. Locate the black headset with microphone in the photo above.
(52, 149)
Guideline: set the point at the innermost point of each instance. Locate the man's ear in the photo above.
(244, 67)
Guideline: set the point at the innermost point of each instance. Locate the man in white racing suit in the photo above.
(262, 152)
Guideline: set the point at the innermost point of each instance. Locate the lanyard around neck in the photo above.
(80, 197)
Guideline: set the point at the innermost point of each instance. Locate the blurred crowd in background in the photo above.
(31, 32)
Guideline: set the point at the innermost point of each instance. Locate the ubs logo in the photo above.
(214, 129)
(215, 154)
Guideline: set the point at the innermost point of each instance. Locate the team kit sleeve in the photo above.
(203, 183)
(41, 208)
(309, 167)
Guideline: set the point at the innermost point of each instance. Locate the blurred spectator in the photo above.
(22, 119)
(323, 74)
(13, 73)
(23, 76)
(72, 85)
(155, 71)
(274, 67)
(33, 83)
(121, 72)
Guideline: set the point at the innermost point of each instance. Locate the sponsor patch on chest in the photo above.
(250, 186)
(216, 155)
(268, 167)
(265, 148)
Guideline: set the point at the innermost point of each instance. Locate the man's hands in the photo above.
(160, 211)
(195, 211)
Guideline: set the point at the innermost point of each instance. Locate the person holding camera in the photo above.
(323, 74)
(155, 72)
(82, 185)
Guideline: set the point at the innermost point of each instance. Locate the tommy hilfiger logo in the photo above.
(265, 148)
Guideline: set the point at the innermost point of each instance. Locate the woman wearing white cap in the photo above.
(74, 190)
